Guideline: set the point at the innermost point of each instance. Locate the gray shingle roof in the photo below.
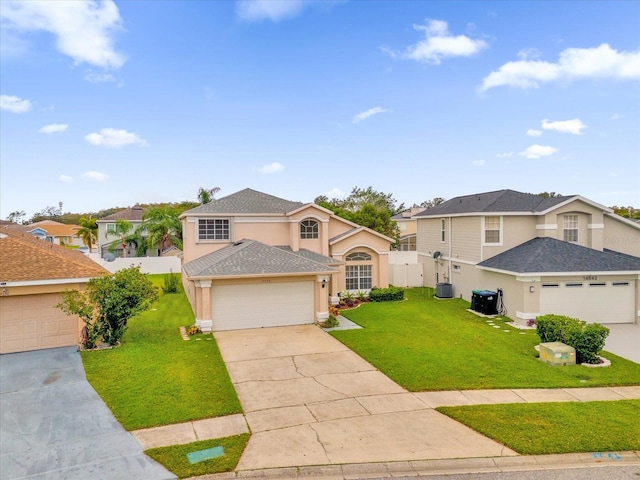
(498, 201)
(250, 257)
(316, 257)
(131, 214)
(555, 256)
(247, 201)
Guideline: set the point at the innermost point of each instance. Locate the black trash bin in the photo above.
(484, 301)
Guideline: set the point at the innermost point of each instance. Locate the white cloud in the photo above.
(616, 116)
(573, 64)
(529, 54)
(334, 193)
(478, 163)
(65, 178)
(95, 176)
(83, 30)
(98, 77)
(272, 168)
(538, 151)
(574, 126)
(54, 128)
(112, 138)
(14, 104)
(505, 155)
(438, 43)
(274, 10)
(368, 113)
(534, 133)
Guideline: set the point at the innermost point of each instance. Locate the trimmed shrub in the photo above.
(388, 294)
(587, 339)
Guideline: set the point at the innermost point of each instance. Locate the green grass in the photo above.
(155, 377)
(546, 428)
(174, 458)
(427, 344)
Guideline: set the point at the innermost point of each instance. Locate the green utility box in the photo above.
(557, 353)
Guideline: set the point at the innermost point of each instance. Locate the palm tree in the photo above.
(162, 227)
(123, 229)
(206, 195)
(88, 231)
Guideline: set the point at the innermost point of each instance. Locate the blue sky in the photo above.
(110, 104)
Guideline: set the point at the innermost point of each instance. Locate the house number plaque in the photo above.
(590, 277)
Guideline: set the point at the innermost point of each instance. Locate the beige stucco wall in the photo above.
(363, 241)
(621, 236)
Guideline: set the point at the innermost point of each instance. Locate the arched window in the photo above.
(309, 229)
(358, 257)
(359, 277)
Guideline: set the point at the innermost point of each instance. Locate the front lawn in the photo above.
(545, 428)
(424, 343)
(157, 378)
(174, 458)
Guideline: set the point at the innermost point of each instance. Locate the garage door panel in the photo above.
(262, 305)
(596, 302)
(32, 322)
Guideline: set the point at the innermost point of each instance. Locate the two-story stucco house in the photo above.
(255, 260)
(565, 255)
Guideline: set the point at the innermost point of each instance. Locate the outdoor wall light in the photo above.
(323, 283)
(532, 289)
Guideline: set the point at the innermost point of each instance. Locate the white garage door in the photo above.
(594, 302)
(32, 322)
(262, 305)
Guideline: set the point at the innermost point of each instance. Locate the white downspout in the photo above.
(450, 250)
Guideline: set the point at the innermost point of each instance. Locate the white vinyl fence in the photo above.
(147, 264)
(404, 269)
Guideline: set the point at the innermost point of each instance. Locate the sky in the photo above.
(108, 104)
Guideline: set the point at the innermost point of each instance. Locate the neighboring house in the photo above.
(408, 226)
(564, 255)
(58, 233)
(254, 260)
(33, 276)
(106, 237)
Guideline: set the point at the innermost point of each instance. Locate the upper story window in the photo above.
(571, 228)
(309, 229)
(358, 256)
(492, 229)
(213, 229)
(443, 230)
(111, 227)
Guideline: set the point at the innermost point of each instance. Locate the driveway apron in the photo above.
(309, 400)
(54, 425)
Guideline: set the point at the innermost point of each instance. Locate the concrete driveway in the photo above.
(309, 400)
(624, 340)
(54, 425)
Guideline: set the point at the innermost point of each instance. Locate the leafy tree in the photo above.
(376, 218)
(162, 226)
(205, 195)
(88, 231)
(432, 203)
(110, 301)
(549, 194)
(124, 230)
(363, 196)
(627, 212)
(48, 213)
(17, 216)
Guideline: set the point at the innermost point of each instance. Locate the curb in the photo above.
(426, 468)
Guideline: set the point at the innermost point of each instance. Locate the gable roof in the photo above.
(355, 230)
(133, 214)
(24, 257)
(251, 258)
(492, 202)
(246, 201)
(58, 230)
(549, 255)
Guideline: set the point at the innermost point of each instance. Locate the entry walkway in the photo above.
(310, 401)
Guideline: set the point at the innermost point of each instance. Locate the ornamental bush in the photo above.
(587, 339)
(388, 294)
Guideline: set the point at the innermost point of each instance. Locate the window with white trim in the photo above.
(443, 230)
(571, 228)
(359, 277)
(213, 229)
(492, 229)
(309, 229)
(111, 227)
